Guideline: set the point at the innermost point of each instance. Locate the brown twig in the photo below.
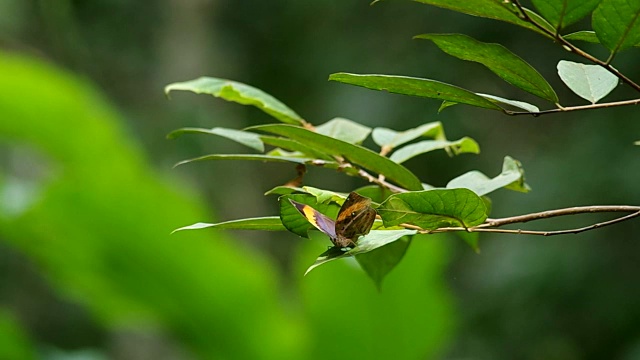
(491, 224)
(576, 108)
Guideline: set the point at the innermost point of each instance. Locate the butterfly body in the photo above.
(355, 218)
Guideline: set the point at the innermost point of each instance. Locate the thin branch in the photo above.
(491, 224)
(380, 181)
(576, 108)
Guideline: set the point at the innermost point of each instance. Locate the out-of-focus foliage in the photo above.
(97, 229)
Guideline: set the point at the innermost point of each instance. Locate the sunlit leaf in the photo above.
(246, 138)
(433, 209)
(374, 240)
(464, 145)
(345, 130)
(590, 82)
(354, 153)
(379, 262)
(617, 24)
(510, 67)
(267, 223)
(391, 138)
(260, 157)
(240, 93)
(512, 177)
(415, 87)
(561, 13)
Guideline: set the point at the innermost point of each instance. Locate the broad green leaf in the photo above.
(246, 138)
(510, 67)
(293, 145)
(240, 93)
(379, 262)
(415, 87)
(345, 130)
(294, 221)
(374, 240)
(514, 103)
(391, 138)
(590, 82)
(561, 13)
(260, 157)
(617, 24)
(464, 145)
(512, 177)
(492, 9)
(354, 153)
(433, 209)
(268, 223)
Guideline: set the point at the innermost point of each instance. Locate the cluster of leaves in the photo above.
(405, 205)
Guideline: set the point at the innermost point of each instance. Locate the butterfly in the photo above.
(355, 218)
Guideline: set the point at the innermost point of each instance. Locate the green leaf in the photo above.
(345, 130)
(561, 13)
(617, 24)
(492, 9)
(267, 223)
(374, 240)
(471, 238)
(240, 93)
(293, 145)
(514, 103)
(260, 157)
(324, 196)
(379, 262)
(294, 221)
(588, 36)
(590, 82)
(637, 143)
(512, 177)
(354, 153)
(283, 190)
(510, 67)
(246, 138)
(391, 138)
(464, 145)
(415, 87)
(433, 209)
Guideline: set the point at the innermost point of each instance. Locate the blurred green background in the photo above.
(88, 195)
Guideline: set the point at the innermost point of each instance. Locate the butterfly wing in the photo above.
(355, 218)
(317, 219)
